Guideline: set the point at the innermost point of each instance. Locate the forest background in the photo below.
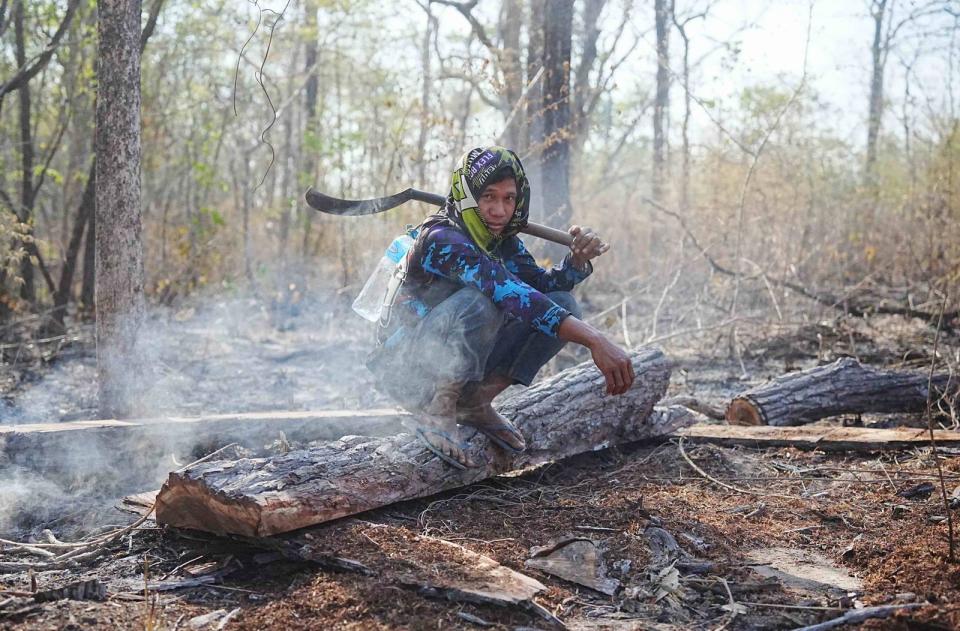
(723, 191)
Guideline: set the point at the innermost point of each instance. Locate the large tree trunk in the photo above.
(584, 97)
(843, 387)
(685, 127)
(85, 222)
(511, 23)
(557, 41)
(119, 248)
(27, 289)
(560, 417)
(312, 127)
(84, 212)
(534, 143)
(89, 280)
(662, 100)
(875, 115)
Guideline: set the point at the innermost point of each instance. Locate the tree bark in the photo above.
(119, 248)
(843, 387)
(557, 42)
(559, 417)
(685, 127)
(878, 58)
(25, 212)
(662, 100)
(85, 222)
(84, 212)
(510, 26)
(584, 95)
(534, 143)
(426, 89)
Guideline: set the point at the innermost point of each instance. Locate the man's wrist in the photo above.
(582, 266)
(592, 337)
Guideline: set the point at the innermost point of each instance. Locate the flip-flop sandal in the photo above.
(491, 433)
(422, 433)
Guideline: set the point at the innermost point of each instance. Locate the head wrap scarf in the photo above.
(477, 168)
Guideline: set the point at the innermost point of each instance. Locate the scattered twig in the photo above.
(724, 484)
(623, 324)
(700, 329)
(855, 616)
(209, 456)
(474, 619)
(663, 296)
(797, 607)
(180, 567)
(733, 607)
(227, 618)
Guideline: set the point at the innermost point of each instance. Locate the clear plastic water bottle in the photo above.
(369, 301)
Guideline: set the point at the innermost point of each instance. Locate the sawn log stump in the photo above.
(559, 417)
(843, 387)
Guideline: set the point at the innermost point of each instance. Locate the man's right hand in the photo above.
(615, 365)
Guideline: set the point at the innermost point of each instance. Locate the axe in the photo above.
(356, 207)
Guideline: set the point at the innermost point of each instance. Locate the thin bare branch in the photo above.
(933, 443)
(38, 63)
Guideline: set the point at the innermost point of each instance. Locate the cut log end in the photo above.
(187, 506)
(742, 411)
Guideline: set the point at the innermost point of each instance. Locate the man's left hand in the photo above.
(586, 245)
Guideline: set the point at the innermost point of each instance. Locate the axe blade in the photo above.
(355, 207)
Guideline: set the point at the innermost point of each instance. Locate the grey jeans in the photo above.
(463, 339)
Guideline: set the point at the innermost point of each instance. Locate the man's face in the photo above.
(497, 203)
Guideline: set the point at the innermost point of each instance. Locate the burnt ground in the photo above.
(803, 537)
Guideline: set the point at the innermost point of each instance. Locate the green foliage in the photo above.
(806, 209)
(13, 234)
(54, 175)
(203, 173)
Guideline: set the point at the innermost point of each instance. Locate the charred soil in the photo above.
(800, 538)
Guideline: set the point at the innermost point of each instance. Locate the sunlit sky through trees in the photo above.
(738, 44)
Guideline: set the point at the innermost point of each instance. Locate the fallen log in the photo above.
(824, 438)
(559, 417)
(843, 387)
(87, 449)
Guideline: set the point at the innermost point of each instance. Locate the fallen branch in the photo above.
(856, 616)
(724, 484)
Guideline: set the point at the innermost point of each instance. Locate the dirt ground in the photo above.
(801, 537)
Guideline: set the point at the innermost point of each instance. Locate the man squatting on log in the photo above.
(470, 312)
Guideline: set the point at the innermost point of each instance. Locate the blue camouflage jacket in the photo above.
(446, 259)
